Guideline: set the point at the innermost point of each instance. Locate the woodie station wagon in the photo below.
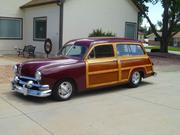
(84, 64)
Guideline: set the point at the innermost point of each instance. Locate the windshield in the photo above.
(73, 51)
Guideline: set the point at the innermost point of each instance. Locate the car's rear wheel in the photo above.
(63, 90)
(135, 79)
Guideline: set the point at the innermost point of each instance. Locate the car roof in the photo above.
(95, 40)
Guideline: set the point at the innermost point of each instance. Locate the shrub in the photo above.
(100, 33)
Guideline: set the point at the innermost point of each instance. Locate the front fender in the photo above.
(76, 72)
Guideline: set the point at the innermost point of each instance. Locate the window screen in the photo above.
(40, 28)
(10, 28)
(131, 30)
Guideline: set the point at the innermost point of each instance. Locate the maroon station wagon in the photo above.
(84, 64)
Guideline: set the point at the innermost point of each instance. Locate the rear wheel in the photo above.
(63, 90)
(135, 79)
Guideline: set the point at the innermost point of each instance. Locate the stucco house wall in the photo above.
(82, 16)
(50, 11)
(10, 8)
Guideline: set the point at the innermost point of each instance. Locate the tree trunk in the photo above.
(164, 46)
(164, 40)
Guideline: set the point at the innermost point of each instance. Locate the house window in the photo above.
(11, 28)
(131, 30)
(40, 28)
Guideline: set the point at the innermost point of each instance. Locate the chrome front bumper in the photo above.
(29, 87)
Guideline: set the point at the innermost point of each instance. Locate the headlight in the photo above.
(38, 75)
(15, 69)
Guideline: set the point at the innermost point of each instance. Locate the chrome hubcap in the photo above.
(65, 90)
(136, 78)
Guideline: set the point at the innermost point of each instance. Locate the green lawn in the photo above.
(170, 48)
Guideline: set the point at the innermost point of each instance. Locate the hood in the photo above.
(30, 67)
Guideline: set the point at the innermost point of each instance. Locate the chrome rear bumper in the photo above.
(29, 88)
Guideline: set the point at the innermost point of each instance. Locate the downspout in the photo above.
(138, 25)
(60, 3)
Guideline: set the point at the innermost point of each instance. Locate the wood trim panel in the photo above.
(104, 84)
(104, 71)
(114, 67)
(99, 66)
(101, 71)
(99, 79)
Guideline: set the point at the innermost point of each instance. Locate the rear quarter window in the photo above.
(136, 50)
(129, 50)
(123, 50)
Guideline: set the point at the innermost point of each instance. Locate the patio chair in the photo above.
(28, 49)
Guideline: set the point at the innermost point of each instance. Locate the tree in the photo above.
(170, 19)
(160, 25)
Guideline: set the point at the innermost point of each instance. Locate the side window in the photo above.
(75, 50)
(65, 49)
(123, 50)
(136, 50)
(102, 51)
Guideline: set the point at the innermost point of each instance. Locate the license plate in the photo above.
(25, 91)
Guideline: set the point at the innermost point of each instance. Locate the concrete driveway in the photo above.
(151, 109)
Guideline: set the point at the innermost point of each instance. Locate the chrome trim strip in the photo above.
(35, 85)
(29, 78)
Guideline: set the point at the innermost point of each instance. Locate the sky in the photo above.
(155, 13)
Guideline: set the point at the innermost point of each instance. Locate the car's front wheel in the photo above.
(135, 79)
(63, 90)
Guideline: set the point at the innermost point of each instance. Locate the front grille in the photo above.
(24, 80)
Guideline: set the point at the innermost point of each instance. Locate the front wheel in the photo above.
(63, 90)
(135, 79)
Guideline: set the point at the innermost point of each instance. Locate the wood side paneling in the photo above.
(149, 69)
(103, 78)
(125, 74)
(134, 62)
(100, 66)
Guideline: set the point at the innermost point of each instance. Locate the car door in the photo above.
(101, 66)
